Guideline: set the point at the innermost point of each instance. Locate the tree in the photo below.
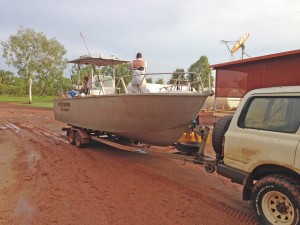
(61, 85)
(201, 67)
(35, 57)
(149, 80)
(9, 84)
(178, 77)
(160, 81)
(6, 77)
(123, 70)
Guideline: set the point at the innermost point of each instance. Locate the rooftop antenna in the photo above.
(237, 45)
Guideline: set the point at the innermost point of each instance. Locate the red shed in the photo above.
(236, 78)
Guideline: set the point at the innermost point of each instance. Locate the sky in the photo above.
(169, 33)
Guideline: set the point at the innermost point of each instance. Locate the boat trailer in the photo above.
(194, 150)
(81, 137)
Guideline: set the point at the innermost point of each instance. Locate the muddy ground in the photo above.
(45, 180)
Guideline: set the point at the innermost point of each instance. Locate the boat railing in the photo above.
(181, 83)
(112, 84)
(103, 85)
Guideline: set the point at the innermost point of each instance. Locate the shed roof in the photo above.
(98, 61)
(254, 59)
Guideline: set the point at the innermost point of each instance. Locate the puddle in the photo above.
(24, 210)
(33, 158)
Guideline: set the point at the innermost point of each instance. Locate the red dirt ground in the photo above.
(45, 180)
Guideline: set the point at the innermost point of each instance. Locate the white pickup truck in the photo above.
(258, 147)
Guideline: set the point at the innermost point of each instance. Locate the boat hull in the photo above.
(156, 119)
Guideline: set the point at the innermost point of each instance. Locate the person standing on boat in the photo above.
(138, 68)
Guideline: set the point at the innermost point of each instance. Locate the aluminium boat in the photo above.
(151, 118)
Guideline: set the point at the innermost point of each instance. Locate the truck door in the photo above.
(297, 158)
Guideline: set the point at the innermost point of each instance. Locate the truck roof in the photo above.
(276, 90)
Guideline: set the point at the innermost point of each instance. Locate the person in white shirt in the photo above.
(138, 67)
(87, 85)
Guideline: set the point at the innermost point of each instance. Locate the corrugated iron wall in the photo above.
(237, 80)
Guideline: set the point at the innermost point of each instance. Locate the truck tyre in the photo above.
(275, 199)
(218, 133)
(71, 136)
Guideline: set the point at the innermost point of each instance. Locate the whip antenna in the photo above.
(85, 44)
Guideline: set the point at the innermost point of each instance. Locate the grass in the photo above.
(38, 101)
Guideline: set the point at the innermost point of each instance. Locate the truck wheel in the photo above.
(78, 140)
(71, 136)
(275, 199)
(218, 133)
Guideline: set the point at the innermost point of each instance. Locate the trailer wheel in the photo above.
(275, 199)
(210, 167)
(218, 133)
(78, 140)
(71, 136)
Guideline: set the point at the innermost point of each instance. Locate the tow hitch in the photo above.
(196, 149)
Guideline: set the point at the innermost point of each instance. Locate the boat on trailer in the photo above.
(151, 118)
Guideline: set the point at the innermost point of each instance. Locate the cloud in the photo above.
(171, 34)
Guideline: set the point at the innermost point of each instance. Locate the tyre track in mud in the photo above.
(49, 190)
(44, 132)
(211, 202)
(236, 215)
(40, 130)
(8, 125)
(39, 188)
(219, 206)
(41, 179)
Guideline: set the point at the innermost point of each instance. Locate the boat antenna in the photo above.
(85, 43)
